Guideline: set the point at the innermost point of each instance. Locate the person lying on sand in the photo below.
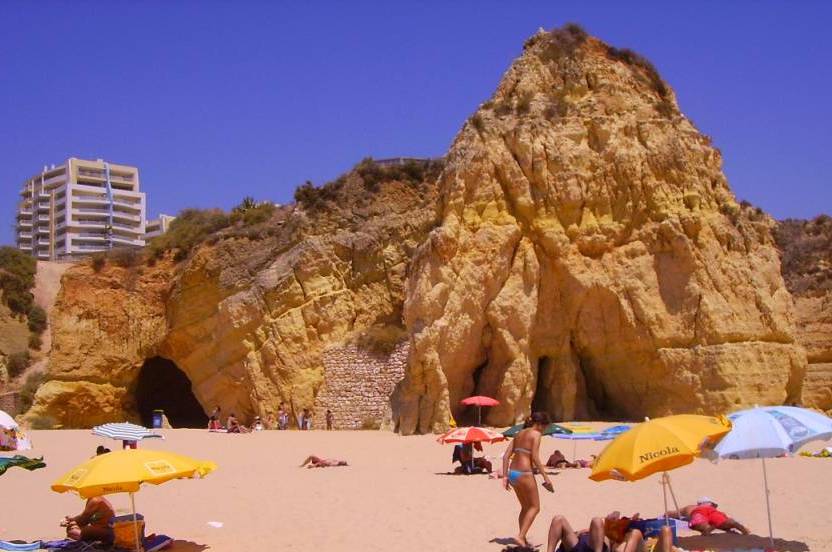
(566, 539)
(705, 517)
(313, 461)
(559, 461)
(93, 524)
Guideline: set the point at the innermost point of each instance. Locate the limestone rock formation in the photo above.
(248, 315)
(582, 253)
(591, 258)
(806, 249)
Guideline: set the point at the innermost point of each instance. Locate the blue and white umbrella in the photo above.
(124, 432)
(769, 432)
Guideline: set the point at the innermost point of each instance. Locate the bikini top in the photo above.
(519, 449)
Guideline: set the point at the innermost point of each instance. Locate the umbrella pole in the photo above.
(574, 450)
(665, 482)
(768, 504)
(479, 416)
(672, 494)
(135, 525)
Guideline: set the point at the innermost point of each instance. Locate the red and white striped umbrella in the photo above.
(471, 435)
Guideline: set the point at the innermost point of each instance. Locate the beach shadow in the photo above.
(731, 541)
(460, 474)
(510, 546)
(187, 546)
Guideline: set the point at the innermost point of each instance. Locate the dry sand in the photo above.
(394, 495)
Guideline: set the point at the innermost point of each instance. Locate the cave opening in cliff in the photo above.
(540, 400)
(162, 385)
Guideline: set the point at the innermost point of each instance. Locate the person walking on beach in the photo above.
(328, 419)
(521, 458)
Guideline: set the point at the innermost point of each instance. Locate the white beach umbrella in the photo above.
(11, 438)
(769, 432)
(6, 421)
(124, 432)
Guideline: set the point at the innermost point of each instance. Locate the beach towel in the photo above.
(15, 545)
(156, 542)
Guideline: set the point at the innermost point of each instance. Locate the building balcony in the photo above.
(24, 246)
(25, 235)
(126, 216)
(90, 235)
(97, 189)
(127, 241)
(24, 222)
(89, 248)
(43, 218)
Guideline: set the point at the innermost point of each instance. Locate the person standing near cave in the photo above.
(328, 419)
(282, 417)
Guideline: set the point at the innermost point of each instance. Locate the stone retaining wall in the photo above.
(357, 386)
(11, 404)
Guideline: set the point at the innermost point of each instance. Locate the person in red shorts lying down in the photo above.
(705, 517)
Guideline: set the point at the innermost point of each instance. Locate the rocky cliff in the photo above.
(806, 247)
(591, 258)
(248, 315)
(582, 253)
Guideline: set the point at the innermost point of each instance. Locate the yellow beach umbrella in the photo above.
(124, 472)
(659, 445)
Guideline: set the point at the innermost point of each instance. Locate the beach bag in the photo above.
(124, 534)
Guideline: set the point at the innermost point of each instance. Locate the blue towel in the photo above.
(8, 545)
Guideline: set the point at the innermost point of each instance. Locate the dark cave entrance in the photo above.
(470, 417)
(540, 400)
(162, 385)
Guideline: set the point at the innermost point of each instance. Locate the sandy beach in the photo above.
(396, 494)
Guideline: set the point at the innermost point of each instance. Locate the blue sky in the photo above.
(218, 100)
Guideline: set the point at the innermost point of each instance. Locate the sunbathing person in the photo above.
(313, 461)
(93, 524)
(705, 517)
(566, 539)
(559, 461)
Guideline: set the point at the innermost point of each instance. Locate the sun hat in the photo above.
(706, 500)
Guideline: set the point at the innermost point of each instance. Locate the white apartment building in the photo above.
(157, 227)
(80, 207)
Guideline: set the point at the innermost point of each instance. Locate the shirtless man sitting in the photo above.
(93, 524)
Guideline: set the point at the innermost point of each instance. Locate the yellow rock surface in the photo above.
(245, 319)
(591, 258)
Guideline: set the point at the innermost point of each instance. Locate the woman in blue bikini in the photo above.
(520, 460)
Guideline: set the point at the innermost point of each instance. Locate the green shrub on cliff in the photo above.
(249, 212)
(412, 172)
(37, 320)
(18, 362)
(17, 277)
(190, 228)
(27, 392)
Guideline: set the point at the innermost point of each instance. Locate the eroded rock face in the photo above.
(806, 247)
(591, 258)
(247, 319)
